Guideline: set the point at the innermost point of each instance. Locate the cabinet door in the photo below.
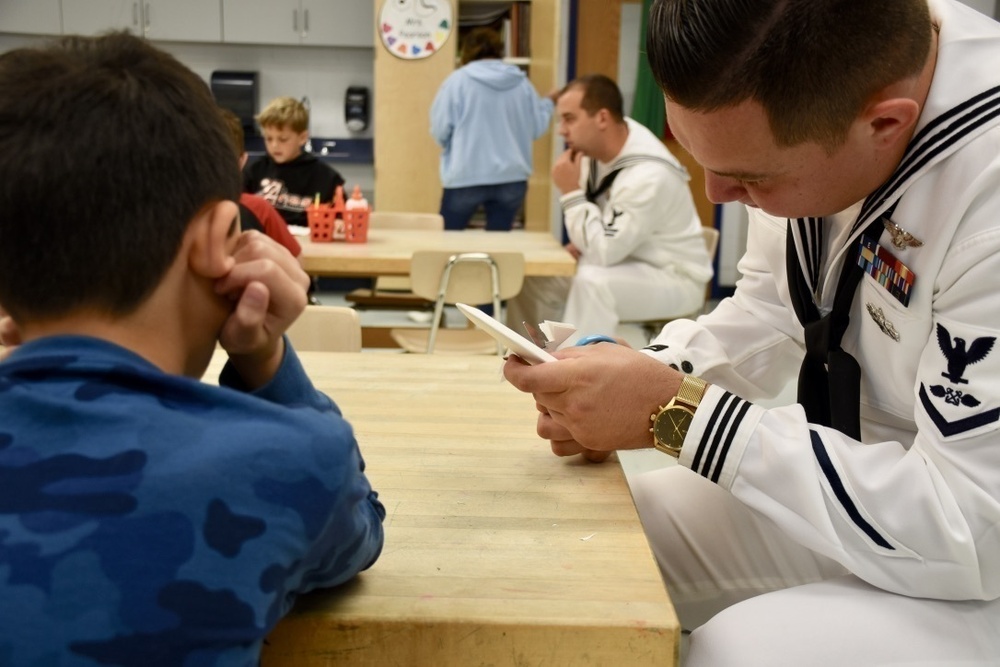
(183, 20)
(31, 17)
(262, 21)
(90, 17)
(339, 22)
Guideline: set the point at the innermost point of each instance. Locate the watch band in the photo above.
(691, 391)
(671, 422)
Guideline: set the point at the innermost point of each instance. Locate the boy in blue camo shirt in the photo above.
(146, 517)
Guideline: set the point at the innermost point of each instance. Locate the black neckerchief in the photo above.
(829, 387)
(595, 189)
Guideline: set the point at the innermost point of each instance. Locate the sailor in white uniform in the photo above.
(861, 525)
(630, 219)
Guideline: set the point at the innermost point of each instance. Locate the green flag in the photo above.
(647, 108)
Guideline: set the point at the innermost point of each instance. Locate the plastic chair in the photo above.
(652, 327)
(449, 278)
(326, 329)
(394, 291)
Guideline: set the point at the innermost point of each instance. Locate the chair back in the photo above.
(326, 329)
(448, 277)
(711, 237)
(466, 277)
(400, 220)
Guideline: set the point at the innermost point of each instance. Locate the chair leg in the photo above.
(495, 276)
(439, 306)
(435, 325)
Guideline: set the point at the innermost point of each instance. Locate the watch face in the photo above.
(672, 425)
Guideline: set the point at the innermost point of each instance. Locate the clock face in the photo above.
(415, 29)
(672, 425)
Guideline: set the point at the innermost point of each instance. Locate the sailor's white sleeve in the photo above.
(920, 515)
(750, 342)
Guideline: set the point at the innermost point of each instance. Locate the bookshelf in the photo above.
(406, 157)
(512, 20)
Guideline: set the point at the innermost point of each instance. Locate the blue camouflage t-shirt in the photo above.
(152, 519)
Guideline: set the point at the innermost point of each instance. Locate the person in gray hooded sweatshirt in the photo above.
(484, 117)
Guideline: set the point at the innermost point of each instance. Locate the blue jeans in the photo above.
(501, 202)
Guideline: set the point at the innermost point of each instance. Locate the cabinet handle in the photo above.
(135, 14)
(295, 20)
(305, 27)
(146, 29)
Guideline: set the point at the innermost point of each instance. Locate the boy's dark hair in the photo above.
(811, 64)
(599, 92)
(481, 43)
(108, 148)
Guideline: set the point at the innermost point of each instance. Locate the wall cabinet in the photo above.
(170, 20)
(344, 23)
(31, 17)
(299, 22)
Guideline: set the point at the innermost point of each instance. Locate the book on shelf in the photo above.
(520, 17)
(510, 19)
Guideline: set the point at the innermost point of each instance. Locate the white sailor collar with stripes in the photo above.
(949, 120)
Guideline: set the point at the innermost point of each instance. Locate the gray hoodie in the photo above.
(484, 117)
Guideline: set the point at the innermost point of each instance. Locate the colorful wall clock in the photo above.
(414, 29)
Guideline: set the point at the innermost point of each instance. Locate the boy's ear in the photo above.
(213, 234)
(10, 333)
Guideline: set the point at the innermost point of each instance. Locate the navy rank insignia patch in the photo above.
(959, 356)
(953, 404)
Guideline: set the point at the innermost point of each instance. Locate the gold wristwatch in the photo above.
(671, 423)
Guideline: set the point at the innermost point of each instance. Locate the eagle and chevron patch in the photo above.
(953, 399)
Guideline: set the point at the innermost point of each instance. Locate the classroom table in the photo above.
(496, 553)
(388, 251)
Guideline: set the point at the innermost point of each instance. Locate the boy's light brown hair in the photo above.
(285, 112)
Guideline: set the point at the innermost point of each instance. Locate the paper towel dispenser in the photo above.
(356, 108)
(237, 91)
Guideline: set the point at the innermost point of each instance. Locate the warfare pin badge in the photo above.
(901, 238)
(884, 324)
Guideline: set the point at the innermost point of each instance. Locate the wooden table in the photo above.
(496, 552)
(388, 251)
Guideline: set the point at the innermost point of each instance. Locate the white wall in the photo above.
(628, 51)
(320, 73)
